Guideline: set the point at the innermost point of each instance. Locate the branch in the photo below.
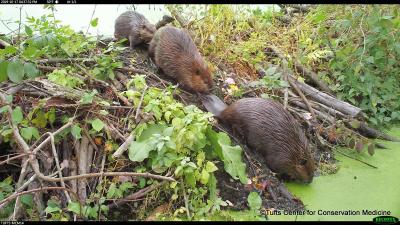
(12, 197)
(124, 146)
(139, 194)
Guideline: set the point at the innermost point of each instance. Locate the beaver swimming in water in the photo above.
(175, 53)
(271, 130)
(135, 27)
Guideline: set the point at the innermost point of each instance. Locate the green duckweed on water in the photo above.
(354, 188)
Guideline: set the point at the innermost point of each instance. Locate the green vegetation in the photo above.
(355, 49)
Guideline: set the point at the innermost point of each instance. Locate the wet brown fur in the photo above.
(175, 53)
(269, 129)
(135, 27)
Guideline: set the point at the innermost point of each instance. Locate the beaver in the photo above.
(135, 27)
(175, 53)
(271, 130)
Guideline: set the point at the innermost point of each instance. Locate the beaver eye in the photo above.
(197, 72)
(303, 162)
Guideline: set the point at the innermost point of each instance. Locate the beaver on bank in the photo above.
(135, 27)
(271, 130)
(175, 53)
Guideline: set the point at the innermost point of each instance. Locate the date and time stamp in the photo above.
(38, 1)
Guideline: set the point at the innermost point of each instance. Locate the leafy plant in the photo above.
(61, 77)
(364, 68)
(180, 137)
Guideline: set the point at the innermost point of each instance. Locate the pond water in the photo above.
(78, 16)
(355, 186)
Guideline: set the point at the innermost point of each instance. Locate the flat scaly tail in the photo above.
(213, 104)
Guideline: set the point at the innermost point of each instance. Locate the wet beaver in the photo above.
(175, 53)
(271, 130)
(135, 27)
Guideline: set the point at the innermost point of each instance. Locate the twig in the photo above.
(140, 103)
(124, 146)
(94, 10)
(11, 197)
(35, 165)
(362, 31)
(34, 151)
(4, 43)
(67, 60)
(53, 147)
(300, 93)
(136, 195)
(17, 207)
(113, 88)
(133, 70)
(186, 200)
(357, 159)
(47, 68)
(19, 22)
(313, 77)
(13, 158)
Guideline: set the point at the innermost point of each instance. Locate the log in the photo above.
(370, 132)
(313, 77)
(323, 98)
(328, 100)
(82, 161)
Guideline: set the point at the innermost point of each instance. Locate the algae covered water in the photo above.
(357, 191)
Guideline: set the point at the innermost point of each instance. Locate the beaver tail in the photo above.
(213, 104)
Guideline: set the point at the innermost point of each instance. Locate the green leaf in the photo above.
(355, 123)
(271, 70)
(31, 70)
(212, 186)
(142, 182)
(254, 201)
(27, 200)
(26, 133)
(151, 130)
(15, 71)
(88, 97)
(76, 132)
(125, 186)
(9, 99)
(97, 124)
(94, 22)
(139, 151)
(51, 115)
(204, 176)
(190, 179)
(16, 115)
(40, 120)
(35, 132)
(111, 191)
(52, 206)
(10, 50)
(74, 207)
(104, 208)
(230, 155)
(3, 71)
(210, 167)
(28, 31)
(371, 149)
(3, 109)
